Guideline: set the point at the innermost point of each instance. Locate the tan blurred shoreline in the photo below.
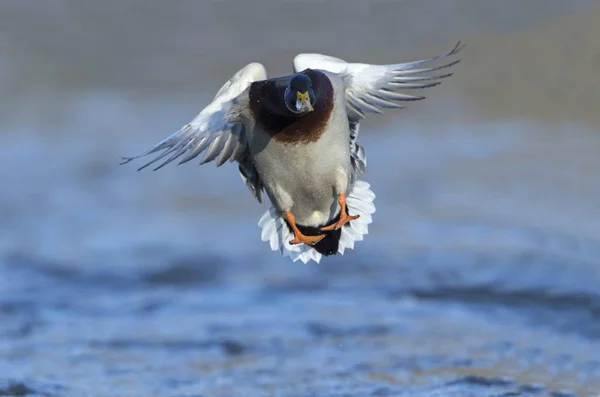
(536, 61)
(550, 74)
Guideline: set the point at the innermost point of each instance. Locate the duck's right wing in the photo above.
(372, 88)
(213, 133)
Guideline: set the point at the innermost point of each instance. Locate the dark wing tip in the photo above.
(125, 160)
(457, 48)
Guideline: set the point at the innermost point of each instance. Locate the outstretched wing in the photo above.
(372, 88)
(213, 133)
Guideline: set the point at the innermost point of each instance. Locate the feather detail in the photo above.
(276, 232)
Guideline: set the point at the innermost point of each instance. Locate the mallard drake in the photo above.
(295, 138)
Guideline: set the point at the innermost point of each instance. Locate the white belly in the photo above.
(305, 178)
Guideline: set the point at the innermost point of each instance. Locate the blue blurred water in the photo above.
(123, 283)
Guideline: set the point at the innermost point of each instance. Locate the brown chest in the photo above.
(268, 109)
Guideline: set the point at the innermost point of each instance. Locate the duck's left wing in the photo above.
(372, 88)
(214, 133)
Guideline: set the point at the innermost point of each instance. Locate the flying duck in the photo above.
(295, 139)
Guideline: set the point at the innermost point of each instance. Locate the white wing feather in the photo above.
(369, 88)
(211, 131)
(372, 88)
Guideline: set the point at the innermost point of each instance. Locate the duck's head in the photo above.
(299, 95)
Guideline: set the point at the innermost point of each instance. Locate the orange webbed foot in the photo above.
(309, 240)
(299, 237)
(344, 217)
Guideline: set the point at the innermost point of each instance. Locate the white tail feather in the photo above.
(277, 233)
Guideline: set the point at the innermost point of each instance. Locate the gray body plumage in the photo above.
(305, 178)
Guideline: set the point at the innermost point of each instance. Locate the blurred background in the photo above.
(480, 275)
